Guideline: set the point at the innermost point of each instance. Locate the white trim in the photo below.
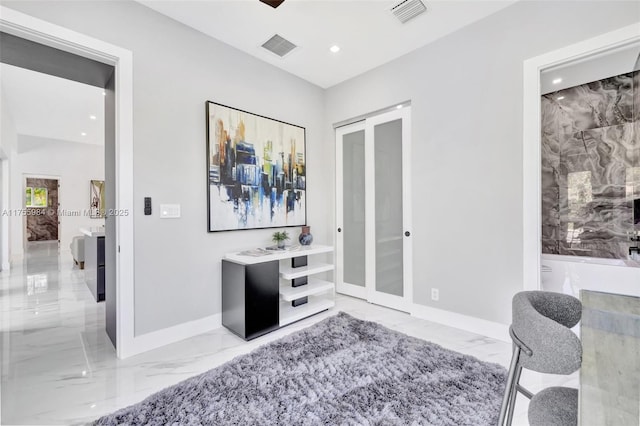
(369, 210)
(125, 288)
(5, 263)
(49, 34)
(531, 216)
(159, 338)
(495, 330)
(407, 205)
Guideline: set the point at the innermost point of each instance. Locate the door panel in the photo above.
(387, 139)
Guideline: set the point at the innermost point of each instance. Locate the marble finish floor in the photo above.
(58, 365)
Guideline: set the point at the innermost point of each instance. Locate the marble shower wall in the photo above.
(590, 167)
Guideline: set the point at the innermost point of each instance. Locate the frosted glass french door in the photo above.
(373, 214)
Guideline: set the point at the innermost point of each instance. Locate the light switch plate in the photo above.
(169, 211)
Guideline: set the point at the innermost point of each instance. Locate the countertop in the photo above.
(93, 232)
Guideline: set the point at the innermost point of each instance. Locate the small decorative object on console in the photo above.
(305, 237)
(279, 238)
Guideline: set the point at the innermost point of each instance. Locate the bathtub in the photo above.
(570, 274)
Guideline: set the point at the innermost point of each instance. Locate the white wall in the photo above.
(4, 221)
(8, 142)
(466, 93)
(8, 133)
(75, 165)
(176, 69)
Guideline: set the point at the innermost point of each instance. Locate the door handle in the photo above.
(339, 229)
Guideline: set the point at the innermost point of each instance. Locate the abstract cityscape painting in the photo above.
(256, 175)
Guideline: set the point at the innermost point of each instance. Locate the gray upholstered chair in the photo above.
(543, 342)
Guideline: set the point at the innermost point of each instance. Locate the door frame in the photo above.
(46, 33)
(342, 287)
(531, 139)
(369, 292)
(26, 176)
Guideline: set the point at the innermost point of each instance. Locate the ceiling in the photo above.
(366, 31)
(51, 107)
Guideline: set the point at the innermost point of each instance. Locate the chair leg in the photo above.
(511, 385)
(514, 394)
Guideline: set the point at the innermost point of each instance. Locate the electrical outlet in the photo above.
(435, 294)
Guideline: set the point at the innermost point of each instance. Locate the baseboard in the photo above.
(475, 325)
(167, 336)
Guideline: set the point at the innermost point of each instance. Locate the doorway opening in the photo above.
(118, 160)
(373, 234)
(573, 56)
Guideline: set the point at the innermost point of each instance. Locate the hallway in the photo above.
(51, 334)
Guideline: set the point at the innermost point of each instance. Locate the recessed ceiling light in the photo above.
(83, 134)
(93, 117)
(399, 106)
(559, 98)
(557, 81)
(335, 48)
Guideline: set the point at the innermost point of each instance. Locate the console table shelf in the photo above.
(314, 286)
(289, 314)
(289, 273)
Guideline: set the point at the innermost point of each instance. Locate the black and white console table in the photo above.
(263, 293)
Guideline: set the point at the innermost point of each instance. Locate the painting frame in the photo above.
(256, 171)
(96, 199)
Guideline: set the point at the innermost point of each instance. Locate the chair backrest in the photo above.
(542, 321)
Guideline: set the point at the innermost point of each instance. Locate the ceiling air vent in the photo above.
(279, 45)
(408, 9)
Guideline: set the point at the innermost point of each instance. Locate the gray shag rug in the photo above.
(341, 371)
